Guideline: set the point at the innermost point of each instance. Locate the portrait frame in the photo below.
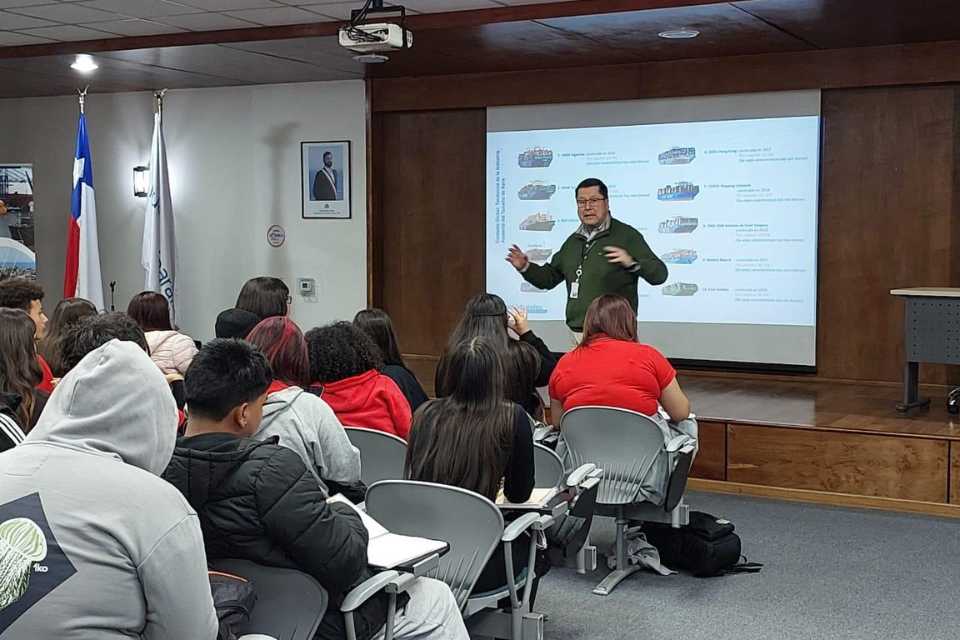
(325, 189)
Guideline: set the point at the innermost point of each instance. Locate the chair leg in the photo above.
(624, 568)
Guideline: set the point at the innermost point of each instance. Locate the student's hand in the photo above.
(619, 256)
(517, 258)
(518, 320)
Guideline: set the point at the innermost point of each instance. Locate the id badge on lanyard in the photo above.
(575, 285)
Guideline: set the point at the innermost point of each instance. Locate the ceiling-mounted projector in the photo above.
(375, 38)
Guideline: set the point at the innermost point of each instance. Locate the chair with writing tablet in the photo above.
(291, 604)
(473, 527)
(569, 537)
(381, 454)
(627, 445)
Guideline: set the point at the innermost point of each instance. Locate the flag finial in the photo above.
(82, 94)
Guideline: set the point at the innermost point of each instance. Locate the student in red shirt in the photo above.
(25, 294)
(347, 364)
(610, 368)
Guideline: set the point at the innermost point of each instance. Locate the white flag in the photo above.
(159, 245)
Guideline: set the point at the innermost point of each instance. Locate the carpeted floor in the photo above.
(829, 574)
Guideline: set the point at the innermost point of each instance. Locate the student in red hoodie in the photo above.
(23, 293)
(346, 362)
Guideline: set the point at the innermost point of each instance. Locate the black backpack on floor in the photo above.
(706, 547)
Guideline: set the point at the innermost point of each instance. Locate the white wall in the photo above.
(234, 159)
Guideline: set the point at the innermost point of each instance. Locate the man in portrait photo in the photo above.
(326, 183)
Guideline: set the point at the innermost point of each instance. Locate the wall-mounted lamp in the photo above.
(141, 181)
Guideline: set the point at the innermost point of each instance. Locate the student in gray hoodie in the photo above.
(302, 420)
(92, 542)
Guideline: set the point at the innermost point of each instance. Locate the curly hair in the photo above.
(18, 293)
(341, 350)
(93, 332)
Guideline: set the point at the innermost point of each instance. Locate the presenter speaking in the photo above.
(602, 256)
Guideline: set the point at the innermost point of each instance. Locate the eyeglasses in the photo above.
(289, 299)
(583, 204)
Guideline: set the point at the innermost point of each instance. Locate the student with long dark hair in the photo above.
(25, 294)
(67, 313)
(302, 421)
(610, 368)
(521, 368)
(377, 324)
(264, 297)
(475, 439)
(171, 350)
(487, 315)
(346, 363)
(20, 371)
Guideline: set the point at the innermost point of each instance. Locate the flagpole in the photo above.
(159, 96)
(82, 94)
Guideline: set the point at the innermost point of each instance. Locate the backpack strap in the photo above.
(744, 566)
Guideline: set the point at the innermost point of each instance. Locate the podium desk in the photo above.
(931, 334)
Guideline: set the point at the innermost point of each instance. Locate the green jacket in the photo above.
(599, 276)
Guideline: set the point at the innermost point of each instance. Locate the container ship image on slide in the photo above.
(526, 287)
(535, 158)
(679, 225)
(537, 190)
(539, 255)
(680, 192)
(680, 289)
(679, 256)
(538, 222)
(678, 155)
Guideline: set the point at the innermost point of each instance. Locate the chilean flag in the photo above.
(81, 276)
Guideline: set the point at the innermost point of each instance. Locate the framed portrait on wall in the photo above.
(325, 179)
(17, 241)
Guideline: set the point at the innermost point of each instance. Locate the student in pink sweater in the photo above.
(171, 350)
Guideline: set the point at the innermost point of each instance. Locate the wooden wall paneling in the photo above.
(873, 465)
(711, 460)
(887, 195)
(889, 65)
(431, 217)
(954, 473)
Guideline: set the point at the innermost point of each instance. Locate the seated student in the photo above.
(475, 439)
(521, 366)
(610, 368)
(21, 293)
(487, 315)
(170, 349)
(303, 422)
(68, 312)
(347, 363)
(20, 371)
(258, 501)
(72, 502)
(376, 324)
(94, 331)
(235, 323)
(264, 297)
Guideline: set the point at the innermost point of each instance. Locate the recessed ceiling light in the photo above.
(84, 64)
(679, 34)
(370, 58)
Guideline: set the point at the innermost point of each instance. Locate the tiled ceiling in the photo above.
(24, 22)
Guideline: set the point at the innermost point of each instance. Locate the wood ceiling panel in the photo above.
(832, 24)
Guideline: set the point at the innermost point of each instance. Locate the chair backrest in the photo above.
(625, 444)
(381, 454)
(548, 467)
(471, 524)
(290, 603)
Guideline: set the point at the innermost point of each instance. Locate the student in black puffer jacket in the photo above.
(257, 500)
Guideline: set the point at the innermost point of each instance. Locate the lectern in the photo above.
(931, 334)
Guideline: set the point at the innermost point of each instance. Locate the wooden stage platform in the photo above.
(827, 442)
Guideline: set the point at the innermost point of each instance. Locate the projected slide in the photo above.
(729, 205)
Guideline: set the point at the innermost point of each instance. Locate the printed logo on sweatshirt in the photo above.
(32, 564)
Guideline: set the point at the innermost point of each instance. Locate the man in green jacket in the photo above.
(602, 256)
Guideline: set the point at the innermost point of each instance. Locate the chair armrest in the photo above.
(543, 523)
(371, 587)
(579, 474)
(518, 526)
